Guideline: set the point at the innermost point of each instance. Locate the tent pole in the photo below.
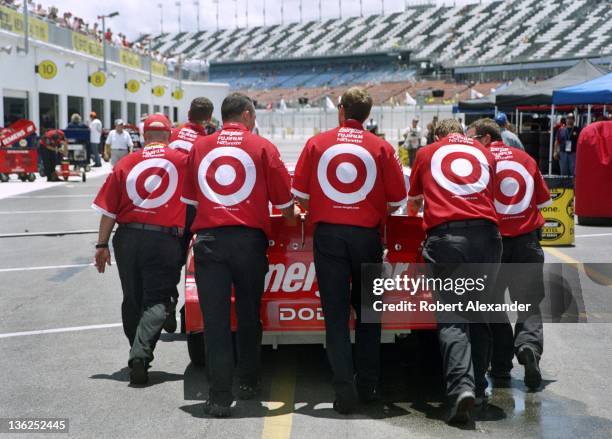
(589, 114)
(495, 111)
(550, 146)
(516, 120)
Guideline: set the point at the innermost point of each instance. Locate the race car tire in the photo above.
(195, 347)
(31, 177)
(4, 178)
(84, 177)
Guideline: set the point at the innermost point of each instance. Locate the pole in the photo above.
(161, 17)
(26, 27)
(264, 11)
(236, 13)
(361, 8)
(150, 62)
(104, 41)
(197, 5)
(320, 13)
(340, 8)
(588, 114)
(247, 13)
(217, 15)
(178, 5)
(550, 145)
(300, 11)
(382, 5)
(282, 12)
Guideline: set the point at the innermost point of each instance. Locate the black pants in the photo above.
(521, 273)
(50, 160)
(339, 252)
(465, 345)
(147, 263)
(227, 256)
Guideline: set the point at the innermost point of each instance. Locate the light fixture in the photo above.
(70, 64)
(143, 81)
(113, 74)
(7, 49)
(20, 49)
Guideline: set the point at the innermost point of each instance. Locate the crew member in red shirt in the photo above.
(182, 139)
(142, 195)
(53, 145)
(349, 180)
(521, 192)
(455, 178)
(232, 177)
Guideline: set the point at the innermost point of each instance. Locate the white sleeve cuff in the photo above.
(545, 204)
(397, 203)
(415, 197)
(104, 212)
(299, 194)
(188, 201)
(286, 205)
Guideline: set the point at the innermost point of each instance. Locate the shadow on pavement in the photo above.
(123, 375)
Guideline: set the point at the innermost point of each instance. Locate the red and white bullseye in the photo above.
(233, 179)
(515, 188)
(147, 178)
(460, 169)
(346, 184)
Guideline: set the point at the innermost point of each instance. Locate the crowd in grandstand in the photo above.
(70, 21)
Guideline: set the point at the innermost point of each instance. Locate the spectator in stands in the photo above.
(565, 146)
(108, 36)
(508, 137)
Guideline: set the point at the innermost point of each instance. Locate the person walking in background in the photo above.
(118, 143)
(566, 145)
(508, 137)
(95, 135)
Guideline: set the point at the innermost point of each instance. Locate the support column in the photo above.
(62, 108)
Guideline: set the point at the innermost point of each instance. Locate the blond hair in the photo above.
(447, 126)
(357, 103)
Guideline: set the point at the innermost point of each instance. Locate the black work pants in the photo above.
(465, 343)
(339, 252)
(225, 257)
(522, 274)
(50, 161)
(148, 267)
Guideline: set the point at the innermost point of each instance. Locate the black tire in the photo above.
(4, 178)
(593, 221)
(195, 346)
(182, 314)
(84, 177)
(31, 177)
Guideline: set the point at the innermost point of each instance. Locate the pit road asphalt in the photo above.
(77, 368)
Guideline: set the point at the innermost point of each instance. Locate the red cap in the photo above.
(157, 122)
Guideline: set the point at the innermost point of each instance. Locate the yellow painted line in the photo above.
(279, 420)
(560, 255)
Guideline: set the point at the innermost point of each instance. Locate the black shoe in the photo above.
(461, 412)
(216, 410)
(500, 374)
(138, 373)
(368, 394)
(528, 358)
(246, 391)
(170, 323)
(345, 406)
(97, 166)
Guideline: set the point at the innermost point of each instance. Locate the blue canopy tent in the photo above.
(595, 91)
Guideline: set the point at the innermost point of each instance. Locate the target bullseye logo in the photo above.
(346, 173)
(227, 175)
(515, 188)
(460, 169)
(152, 183)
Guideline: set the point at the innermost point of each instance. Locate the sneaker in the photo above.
(139, 376)
(246, 391)
(216, 410)
(170, 323)
(528, 358)
(461, 412)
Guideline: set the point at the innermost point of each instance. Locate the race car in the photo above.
(291, 310)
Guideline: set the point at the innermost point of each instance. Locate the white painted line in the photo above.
(594, 235)
(22, 212)
(19, 197)
(55, 233)
(59, 330)
(46, 267)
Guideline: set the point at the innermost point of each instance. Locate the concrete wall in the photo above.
(17, 74)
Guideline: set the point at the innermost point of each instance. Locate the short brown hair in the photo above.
(445, 127)
(201, 109)
(485, 126)
(357, 103)
(234, 105)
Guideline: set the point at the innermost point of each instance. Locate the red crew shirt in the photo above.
(520, 191)
(455, 176)
(232, 176)
(350, 176)
(145, 187)
(183, 137)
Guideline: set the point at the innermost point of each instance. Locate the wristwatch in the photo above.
(101, 245)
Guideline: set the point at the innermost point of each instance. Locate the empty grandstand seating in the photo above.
(517, 30)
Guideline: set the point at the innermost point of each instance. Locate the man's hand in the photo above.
(102, 259)
(556, 155)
